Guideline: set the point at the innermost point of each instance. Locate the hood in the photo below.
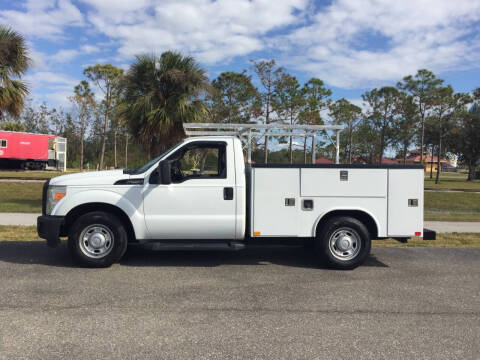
(108, 177)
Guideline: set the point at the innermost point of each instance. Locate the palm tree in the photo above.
(159, 95)
(14, 62)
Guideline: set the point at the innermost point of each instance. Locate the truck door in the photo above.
(200, 202)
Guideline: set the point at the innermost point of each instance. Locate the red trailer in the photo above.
(28, 151)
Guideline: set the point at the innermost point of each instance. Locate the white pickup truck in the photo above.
(200, 194)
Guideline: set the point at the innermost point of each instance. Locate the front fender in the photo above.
(130, 205)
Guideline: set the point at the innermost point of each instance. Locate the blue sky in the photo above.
(352, 45)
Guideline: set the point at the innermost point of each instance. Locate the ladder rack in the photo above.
(248, 130)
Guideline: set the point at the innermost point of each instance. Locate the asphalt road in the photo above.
(256, 304)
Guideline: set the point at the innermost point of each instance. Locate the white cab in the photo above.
(194, 208)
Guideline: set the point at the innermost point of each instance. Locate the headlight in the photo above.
(54, 195)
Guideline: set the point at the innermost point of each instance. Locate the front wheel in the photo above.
(343, 243)
(97, 239)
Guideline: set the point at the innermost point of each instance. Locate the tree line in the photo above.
(140, 112)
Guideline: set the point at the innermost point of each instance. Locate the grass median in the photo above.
(452, 206)
(34, 174)
(445, 240)
(454, 181)
(21, 197)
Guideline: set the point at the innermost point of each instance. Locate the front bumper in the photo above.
(48, 228)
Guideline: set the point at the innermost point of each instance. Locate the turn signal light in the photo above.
(256, 233)
(58, 196)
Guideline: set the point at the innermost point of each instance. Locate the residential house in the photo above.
(430, 162)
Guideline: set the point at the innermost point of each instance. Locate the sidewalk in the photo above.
(439, 226)
(453, 226)
(26, 219)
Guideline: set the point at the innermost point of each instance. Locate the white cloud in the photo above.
(332, 42)
(38, 58)
(440, 35)
(359, 102)
(89, 49)
(50, 86)
(212, 31)
(66, 55)
(347, 43)
(45, 19)
(47, 77)
(58, 98)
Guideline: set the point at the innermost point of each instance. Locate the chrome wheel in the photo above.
(96, 241)
(345, 244)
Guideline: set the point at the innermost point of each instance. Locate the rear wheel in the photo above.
(97, 239)
(343, 243)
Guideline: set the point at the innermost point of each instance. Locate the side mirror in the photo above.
(165, 168)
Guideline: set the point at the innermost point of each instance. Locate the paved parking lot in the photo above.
(256, 304)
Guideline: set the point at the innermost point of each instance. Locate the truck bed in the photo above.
(290, 200)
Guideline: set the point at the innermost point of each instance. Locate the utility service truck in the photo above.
(201, 194)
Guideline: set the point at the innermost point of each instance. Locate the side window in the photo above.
(199, 161)
(3, 143)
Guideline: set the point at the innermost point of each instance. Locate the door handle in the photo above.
(228, 193)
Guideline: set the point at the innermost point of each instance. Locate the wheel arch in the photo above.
(82, 209)
(361, 215)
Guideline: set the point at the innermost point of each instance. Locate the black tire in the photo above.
(326, 246)
(111, 228)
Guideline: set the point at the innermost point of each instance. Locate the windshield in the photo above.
(148, 165)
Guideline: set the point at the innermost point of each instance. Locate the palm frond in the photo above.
(13, 52)
(14, 62)
(160, 93)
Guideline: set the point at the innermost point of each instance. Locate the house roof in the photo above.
(323, 160)
(426, 159)
(389, 161)
(385, 160)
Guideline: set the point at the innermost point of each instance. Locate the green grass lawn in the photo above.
(19, 233)
(451, 181)
(452, 206)
(21, 197)
(453, 240)
(34, 174)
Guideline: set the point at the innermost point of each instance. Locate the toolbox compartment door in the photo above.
(405, 202)
(275, 202)
(344, 183)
